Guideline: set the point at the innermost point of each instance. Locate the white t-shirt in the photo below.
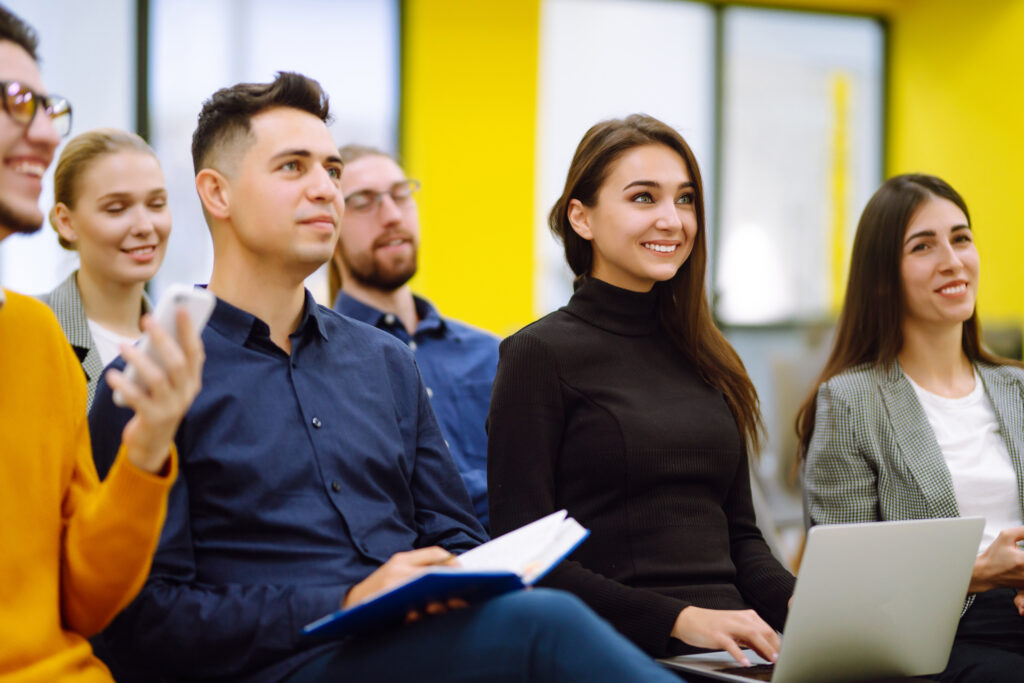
(984, 482)
(108, 343)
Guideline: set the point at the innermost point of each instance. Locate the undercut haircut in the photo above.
(14, 29)
(226, 116)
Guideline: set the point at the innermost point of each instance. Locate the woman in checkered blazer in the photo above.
(914, 418)
(111, 207)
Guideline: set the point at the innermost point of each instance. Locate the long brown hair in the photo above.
(683, 305)
(870, 328)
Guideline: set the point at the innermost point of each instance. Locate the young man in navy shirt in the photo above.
(313, 472)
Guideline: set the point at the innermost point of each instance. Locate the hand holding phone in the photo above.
(196, 301)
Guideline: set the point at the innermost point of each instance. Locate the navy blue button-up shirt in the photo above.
(457, 363)
(299, 475)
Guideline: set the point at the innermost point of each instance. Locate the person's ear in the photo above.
(579, 219)
(60, 218)
(214, 190)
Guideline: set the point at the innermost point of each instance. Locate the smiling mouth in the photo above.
(139, 251)
(954, 289)
(660, 248)
(34, 169)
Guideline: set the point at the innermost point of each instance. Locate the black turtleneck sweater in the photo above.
(595, 410)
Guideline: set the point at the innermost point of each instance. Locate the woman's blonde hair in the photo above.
(81, 152)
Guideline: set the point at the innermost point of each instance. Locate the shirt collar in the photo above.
(238, 325)
(430, 322)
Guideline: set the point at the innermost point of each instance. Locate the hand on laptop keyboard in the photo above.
(728, 630)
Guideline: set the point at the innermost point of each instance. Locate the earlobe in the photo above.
(579, 219)
(61, 220)
(214, 192)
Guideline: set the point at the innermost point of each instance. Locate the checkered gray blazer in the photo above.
(66, 302)
(873, 455)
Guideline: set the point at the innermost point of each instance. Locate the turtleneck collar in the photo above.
(616, 310)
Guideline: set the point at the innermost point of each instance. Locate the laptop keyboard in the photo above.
(758, 672)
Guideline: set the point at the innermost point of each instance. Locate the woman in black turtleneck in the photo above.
(629, 408)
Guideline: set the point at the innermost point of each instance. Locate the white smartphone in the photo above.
(198, 302)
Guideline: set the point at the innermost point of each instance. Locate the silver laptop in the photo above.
(872, 600)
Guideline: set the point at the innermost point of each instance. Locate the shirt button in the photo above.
(412, 345)
(389, 319)
(430, 393)
(336, 486)
(317, 422)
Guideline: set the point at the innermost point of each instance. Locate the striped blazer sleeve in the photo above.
(840, 477)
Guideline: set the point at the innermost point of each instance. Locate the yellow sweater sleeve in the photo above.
(110, 530)
(73, 551)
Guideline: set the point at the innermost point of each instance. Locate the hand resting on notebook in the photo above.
(398, 568)
(729, 630)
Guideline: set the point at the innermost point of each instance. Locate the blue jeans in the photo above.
(535, 635)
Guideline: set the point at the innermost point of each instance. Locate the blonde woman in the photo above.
(111, 207)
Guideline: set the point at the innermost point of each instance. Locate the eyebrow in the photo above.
(931, 233)
(654, 184)
(305, 154)
(129, 195)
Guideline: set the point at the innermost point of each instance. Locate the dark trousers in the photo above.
(989, 644)
(536, 635)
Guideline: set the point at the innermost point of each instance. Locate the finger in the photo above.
(1015, 534)
(422, 557)
(435, 608)
(730, 646)
(150, 375)
(457, 603)
(762, 645)
(130, 391)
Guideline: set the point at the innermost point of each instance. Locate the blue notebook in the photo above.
(510, 562)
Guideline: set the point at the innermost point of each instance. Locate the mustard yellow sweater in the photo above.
(73, 552)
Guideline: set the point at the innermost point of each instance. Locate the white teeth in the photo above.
(954, 289)
(661, 248)
(140, 250)
(30, 168)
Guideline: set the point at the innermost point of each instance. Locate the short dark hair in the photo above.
(14, 29)
(228, 112)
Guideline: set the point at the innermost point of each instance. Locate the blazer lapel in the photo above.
(918, 448)
(1007, 398)
(66, 303)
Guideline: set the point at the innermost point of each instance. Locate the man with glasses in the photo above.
(73, 552)
(373, 262)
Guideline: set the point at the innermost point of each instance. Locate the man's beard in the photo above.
(371, 273)
(17, 222)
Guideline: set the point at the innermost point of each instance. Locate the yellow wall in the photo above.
(469, 116)
(956, 104)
